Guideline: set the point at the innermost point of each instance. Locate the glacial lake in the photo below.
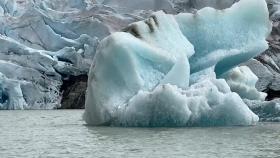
(63, 133)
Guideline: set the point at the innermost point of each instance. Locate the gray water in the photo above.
(63, 134)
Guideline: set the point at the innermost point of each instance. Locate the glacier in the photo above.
(50, 42)
(176, 70)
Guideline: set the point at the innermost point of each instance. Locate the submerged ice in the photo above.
(168, 70)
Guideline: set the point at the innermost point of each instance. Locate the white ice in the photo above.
(151, 74)
(243, 81)
(226, 38)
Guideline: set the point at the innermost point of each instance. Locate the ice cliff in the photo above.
(171, 70)
(46, 44)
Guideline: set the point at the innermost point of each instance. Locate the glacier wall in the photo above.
(165, 70)
(49, 42)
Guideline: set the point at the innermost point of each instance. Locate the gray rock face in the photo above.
(274, 9)
(271, 59)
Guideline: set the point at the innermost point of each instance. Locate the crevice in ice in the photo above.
(272, 94)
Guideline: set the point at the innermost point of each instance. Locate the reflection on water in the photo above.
(63, 134)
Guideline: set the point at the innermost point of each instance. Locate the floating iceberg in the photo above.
(162, 71)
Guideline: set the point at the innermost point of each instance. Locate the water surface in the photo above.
(62, 133)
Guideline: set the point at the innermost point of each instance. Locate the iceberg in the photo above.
(166, 71)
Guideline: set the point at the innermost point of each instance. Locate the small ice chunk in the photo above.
(242, 81)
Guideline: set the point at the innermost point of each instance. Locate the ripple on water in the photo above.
(63, 134)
